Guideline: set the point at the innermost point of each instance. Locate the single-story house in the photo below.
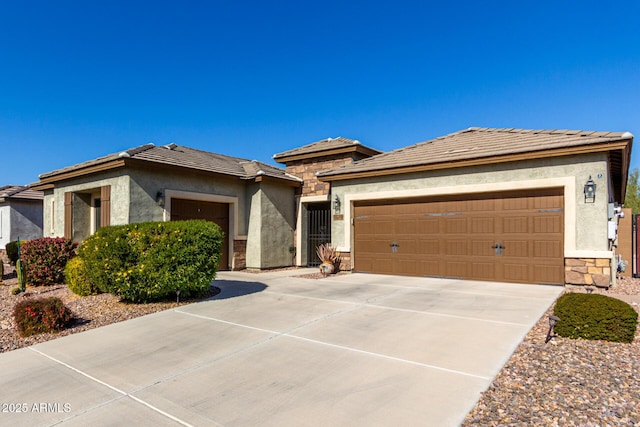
(512, 205)
(20, 214)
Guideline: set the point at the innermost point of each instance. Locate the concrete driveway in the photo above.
(273, 350)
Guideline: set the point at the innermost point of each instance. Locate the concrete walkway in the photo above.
(277, 350)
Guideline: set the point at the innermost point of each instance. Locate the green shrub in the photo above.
(595, 317)
(12, 252)
(44, 259)
(151, 261)
(36, 316)
(77, 280)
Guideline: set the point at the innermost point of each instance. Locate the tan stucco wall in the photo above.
(585, 223)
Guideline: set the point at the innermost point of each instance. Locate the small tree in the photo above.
(632, 197)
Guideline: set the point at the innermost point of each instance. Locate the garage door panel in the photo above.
(408, 267)
(429, 225)
(384, 227)
(483, 225)
(483, 270)
(517, 272)
(548, 274)
(406, 226)
(406, 246)
(456, 269)
(482, 248)
(365, 227)
(547, 249)
(456, 248)
(516, 248)
(546, 224)
(431, 268)
(548, 202)
(515, 224)
(429, 247)
(455, 225)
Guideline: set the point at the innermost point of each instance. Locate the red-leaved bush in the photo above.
(36, 316)
(44, 259)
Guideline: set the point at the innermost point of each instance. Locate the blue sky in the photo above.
(79, 80)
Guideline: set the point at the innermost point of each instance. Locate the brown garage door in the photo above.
(506, 237)
(182, 209)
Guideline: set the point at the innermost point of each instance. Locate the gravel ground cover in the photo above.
(91, 312)
(566, 382)
(561, 383)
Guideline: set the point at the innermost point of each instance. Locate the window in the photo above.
(53, 216)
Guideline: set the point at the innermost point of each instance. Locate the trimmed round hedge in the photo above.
(595, 317)
(151, 261)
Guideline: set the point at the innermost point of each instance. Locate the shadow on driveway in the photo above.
(236, 288)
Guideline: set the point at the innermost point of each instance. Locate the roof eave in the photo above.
(566, 151)
(356, 148)
(48, 181)
(285, 181)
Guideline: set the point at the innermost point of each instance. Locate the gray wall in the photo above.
(20, 219)
(271, 225)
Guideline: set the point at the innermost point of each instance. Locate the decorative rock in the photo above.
(574, 278)
(601, 281)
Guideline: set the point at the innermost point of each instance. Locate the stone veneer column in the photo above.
(588, 271)
(239, 254)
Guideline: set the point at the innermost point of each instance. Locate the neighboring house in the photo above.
(250, 200)
(510, 205)
(20, 214)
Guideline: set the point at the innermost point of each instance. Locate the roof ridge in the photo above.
(136, 150)
(542, 131)
(12, 189)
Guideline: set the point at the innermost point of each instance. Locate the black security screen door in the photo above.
(319, 230)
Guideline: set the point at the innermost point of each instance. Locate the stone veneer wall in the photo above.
(306, 170)
(239, 254)
(588, 271)
(345, 261)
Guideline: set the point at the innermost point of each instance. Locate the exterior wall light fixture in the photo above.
(590, 191)
(160, 198)
(337, 204)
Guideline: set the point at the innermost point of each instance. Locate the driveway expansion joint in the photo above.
(113, 388)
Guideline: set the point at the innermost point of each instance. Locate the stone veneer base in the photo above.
(588, 271)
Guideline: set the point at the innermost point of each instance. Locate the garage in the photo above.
(508, 237)
(183, 209)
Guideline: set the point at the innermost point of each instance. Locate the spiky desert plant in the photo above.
(329, 257)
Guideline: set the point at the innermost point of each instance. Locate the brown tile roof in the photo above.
(315, 149)
(176, 155)
(19, 192)
(476, 143)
